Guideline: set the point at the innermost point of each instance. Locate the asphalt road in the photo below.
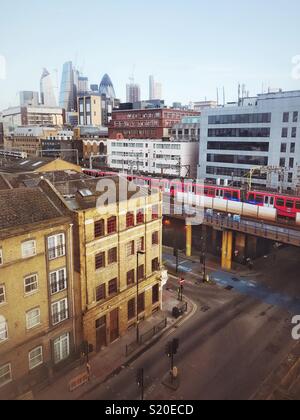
(227, 348)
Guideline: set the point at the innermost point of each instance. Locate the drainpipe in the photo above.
(72, 285)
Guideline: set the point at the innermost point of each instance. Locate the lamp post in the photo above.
(137, 295)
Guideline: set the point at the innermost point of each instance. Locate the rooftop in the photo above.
(27, 165)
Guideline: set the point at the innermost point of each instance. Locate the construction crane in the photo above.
(268, 170)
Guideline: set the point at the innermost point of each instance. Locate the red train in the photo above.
(286, 206)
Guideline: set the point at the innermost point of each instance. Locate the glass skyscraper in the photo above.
(68, 88)
(47, 91)
(107, 88)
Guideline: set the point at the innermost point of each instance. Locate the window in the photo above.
(58, 281)
(155, 238)
(56, 246)
(140, 244)
(1, 256)
(290, 204)
(5, 374)
(28, 249)
(293, 147)
(31, 284)
(141, 303)
(61, 348)
(130, 249)
(59, 311)
(140, 218)
(99, 229)
(291, 163)
(141, 272)
(285, 132)
(33, 318)
(35, 357)
(155, 294)
(100, 260)
(130, 278)
(3, 330)
(100, 292)
(2, 294)
(129, 220)
(112, 225)
(280, 202)
(112, 256)
(286, 117)
(295, 116)
(290, 177)
(131, 309)
(155, 264)
(282, 162)
(294, 132)
(283, 148)
(113, 287)
(155, 212)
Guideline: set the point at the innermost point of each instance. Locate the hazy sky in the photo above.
(191, 46)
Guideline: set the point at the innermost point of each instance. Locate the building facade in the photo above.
(47, 90)
(164, 158)
(37, 308)
(187, 130)
(146, 123)
(29, 98)
(155, 89)
(133, 93)
(32, 115)
(69, 88)
(260, 132)
(89, 110)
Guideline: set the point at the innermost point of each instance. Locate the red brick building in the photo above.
(145, 123)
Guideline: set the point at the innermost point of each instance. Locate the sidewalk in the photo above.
(113, 359)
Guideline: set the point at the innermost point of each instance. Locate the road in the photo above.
(227, 348)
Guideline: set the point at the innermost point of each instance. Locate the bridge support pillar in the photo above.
(240, 246)
(227, 250)
(189, 236)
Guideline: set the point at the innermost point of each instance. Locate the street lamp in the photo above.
(137, 295)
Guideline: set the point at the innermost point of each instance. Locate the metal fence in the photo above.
(147, 336)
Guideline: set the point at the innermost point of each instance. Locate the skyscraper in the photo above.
(83, 85)
(155, 89)
(107, 88)
(68, 89)
(29, 98)
(46, 90)
(133, 92)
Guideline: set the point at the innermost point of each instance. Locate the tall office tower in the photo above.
(69, 87)
(133, 93)
(94, 88)
(83, 85)
(155, 89)
(107, 88)
(29, 98)
(47, 91)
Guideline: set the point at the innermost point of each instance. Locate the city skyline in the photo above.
(249, 52)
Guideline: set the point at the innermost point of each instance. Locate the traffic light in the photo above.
(169, 349)
(175, 345)
(140, 377)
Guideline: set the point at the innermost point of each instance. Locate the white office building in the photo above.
(258, 135)
(163, 158)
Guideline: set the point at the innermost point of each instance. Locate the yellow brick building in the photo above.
(106, 258)
(37, 324)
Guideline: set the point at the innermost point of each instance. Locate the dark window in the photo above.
(283, 148)
(286, 117)
(251, 197)
(131, 309)
(99, 229)
(141, 303)
(129, 220)
(295, 116)
(155, 264)
(112, 225)
(140, 217)
(280, 202)
(291, 163)
(285, 132)
(155, 238)
(141, 272)
(239, 146)
(238, 159)
(259, 199)
(293, 147)
(282, 162)
(298, 205)
(100, 293)
(239, 132)
(290, 177)
(130, 278)
(100, 260)
(155, 294)
(240, 119)
(112, 256)
(155, 212)
(294, 132)
(290, 204)
(113, 287)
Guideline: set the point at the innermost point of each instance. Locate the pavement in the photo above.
(111, 360)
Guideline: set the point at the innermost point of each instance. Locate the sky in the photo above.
(192, 47)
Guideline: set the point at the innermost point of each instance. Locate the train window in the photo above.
(272, 201)
(298, 205)
(290, 204)
(251, 197)
(280, 202)
(206, 191)
(259, 199)
(235, 195)
(227, 194)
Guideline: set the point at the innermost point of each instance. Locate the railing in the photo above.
(144, 338)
